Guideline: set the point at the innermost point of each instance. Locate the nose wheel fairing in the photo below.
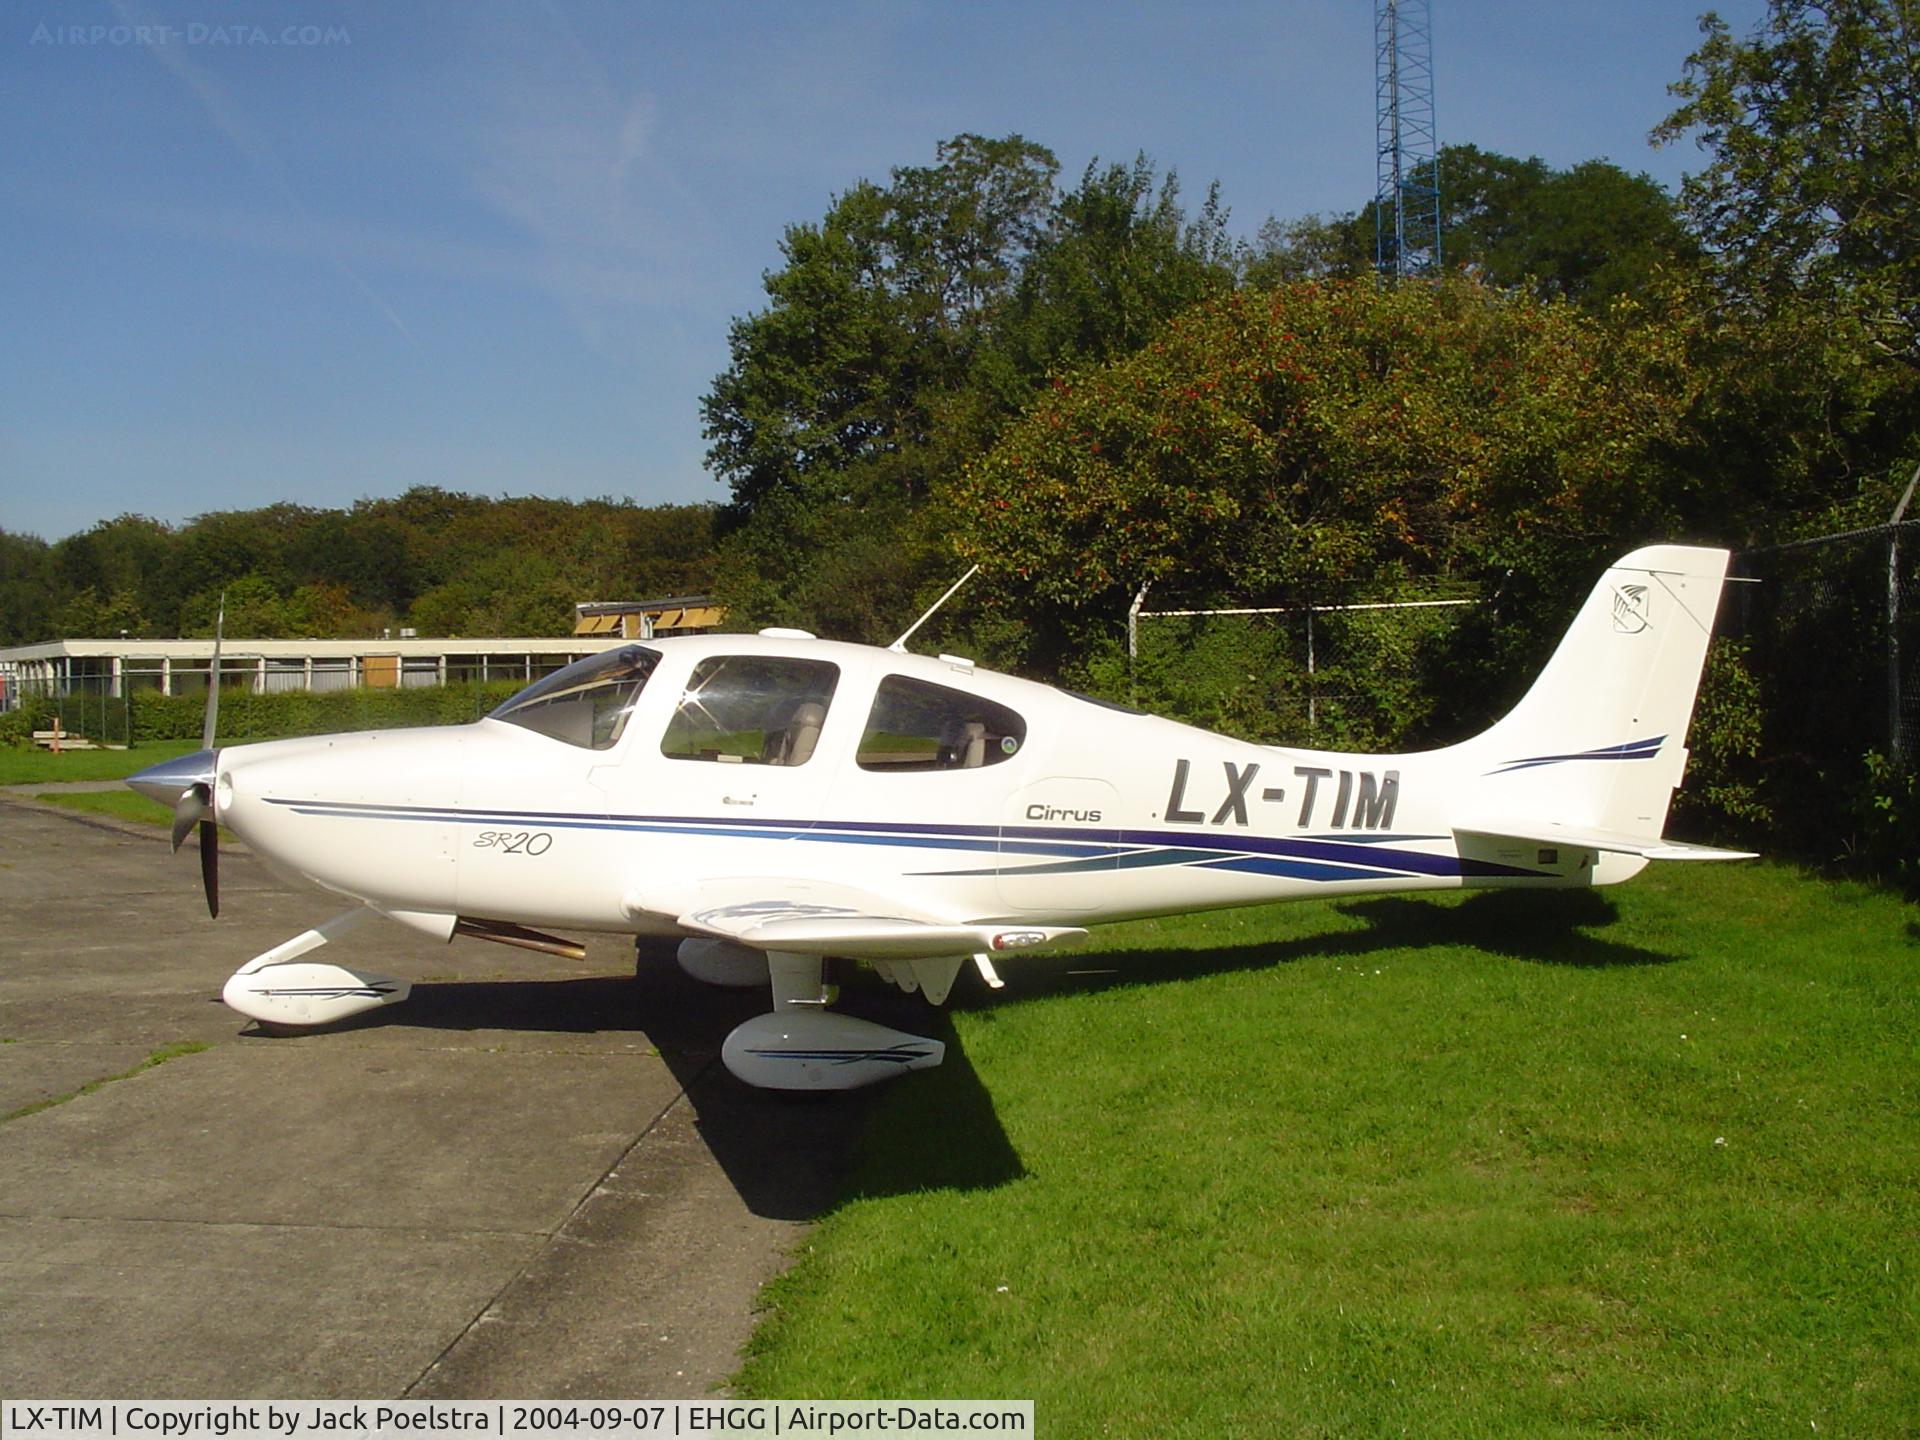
(278, 987)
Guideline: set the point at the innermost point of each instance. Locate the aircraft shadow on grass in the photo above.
(793, 1156)
(1537, 927)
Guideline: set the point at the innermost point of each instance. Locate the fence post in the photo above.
(1313, 695)
(1895, 746)
(1133, 640)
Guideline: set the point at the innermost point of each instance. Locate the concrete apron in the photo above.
(533, 1179)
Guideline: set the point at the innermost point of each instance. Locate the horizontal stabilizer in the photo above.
(1535, 832)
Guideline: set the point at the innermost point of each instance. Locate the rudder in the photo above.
(1599, 741)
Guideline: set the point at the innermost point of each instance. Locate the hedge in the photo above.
(304, 712)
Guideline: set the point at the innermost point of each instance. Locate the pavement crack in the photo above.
(558, 1235)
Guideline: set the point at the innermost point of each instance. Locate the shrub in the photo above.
(1725, 794)
(1886, 815)
(306, 712)
(17, 726)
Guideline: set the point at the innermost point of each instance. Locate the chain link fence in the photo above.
(1829, 630)
(1339, 677)
(1806, 741)
(1833, 623)
(87, 713)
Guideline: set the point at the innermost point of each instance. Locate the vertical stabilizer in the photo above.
(1599, 742)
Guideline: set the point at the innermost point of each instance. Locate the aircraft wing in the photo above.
(806, 917)
(1536, 832)
(807, 929)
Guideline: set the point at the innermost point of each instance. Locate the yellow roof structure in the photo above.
(643, 619)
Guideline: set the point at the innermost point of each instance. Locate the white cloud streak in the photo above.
(231, 123)
(570, 155)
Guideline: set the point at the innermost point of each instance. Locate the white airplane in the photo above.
(775, 800)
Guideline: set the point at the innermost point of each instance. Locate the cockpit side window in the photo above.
(751, 710)
(588, 702)
(916, 725)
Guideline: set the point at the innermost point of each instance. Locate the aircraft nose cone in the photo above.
(170, 779)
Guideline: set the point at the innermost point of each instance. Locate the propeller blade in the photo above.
(210, 865)
(187, 812)
(186, 783)
(213, 679)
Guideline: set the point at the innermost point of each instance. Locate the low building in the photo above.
(117, 667)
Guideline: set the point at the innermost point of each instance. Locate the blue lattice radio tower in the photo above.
(1406, 202)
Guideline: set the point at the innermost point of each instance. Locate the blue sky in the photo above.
(310, 252)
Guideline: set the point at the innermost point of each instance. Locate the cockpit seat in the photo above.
(972, 750)
(794, 743)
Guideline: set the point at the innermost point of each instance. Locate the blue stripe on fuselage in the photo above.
(1078, 850)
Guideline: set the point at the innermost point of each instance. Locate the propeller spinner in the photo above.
(186, 785)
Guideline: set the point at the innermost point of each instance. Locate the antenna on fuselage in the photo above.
(900, 645)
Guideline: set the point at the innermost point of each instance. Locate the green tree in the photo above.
(667, 550)
(1326, 440)
(326, 610)
(958, 229)
(876, 308)
(254, 609)
(27, 590)
(131, 557)
(290, 571)
(1812, 190)
(902, 332)
(1591, 234)
(219, 549)
(86, 614)
(1799, 427)
(1119, 258)
(516, 592)
(824, 424)
(360, 549)
(1311, 247)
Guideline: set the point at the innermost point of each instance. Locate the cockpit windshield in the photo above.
(588, 702)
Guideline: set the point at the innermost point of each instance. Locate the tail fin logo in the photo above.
(1630, 609)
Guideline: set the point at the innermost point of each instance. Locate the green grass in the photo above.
(24, 767)
(36, 766)
(158, 1057)
(122, 805)
(119, 804)
(1641, 1161)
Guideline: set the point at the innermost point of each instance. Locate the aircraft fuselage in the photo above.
(1092, 814)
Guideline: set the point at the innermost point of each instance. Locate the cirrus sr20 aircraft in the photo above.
(776, 800)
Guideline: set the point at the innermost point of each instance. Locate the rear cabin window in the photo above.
(916, 725)
(587, 702)
(751, 710)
